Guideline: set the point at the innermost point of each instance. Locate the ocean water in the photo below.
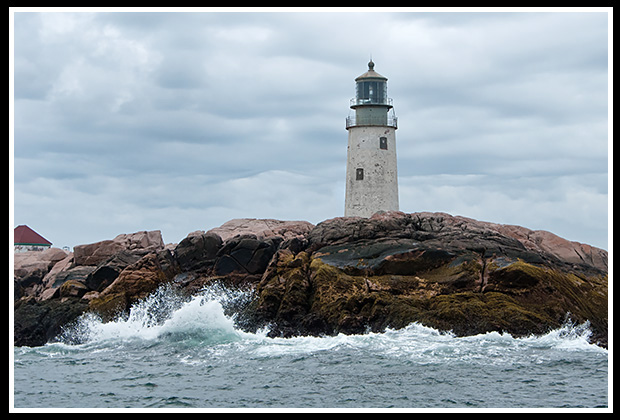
(187, 353)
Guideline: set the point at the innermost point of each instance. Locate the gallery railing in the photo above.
(371, 101)
(383, 121)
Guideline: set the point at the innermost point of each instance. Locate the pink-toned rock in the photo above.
(48, 289)
(385, 215)
(569, 251)
(60, 266)
(545, 242)
(93, 254)
(147, 240)
(263, 228)
(29, 269)
(34, 265)
(142, 242)
(47, 294)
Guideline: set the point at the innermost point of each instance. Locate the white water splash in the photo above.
(201, 321)
(424, 345)
(163, 315)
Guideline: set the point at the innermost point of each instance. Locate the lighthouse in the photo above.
(371, 177)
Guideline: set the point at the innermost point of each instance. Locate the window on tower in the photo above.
(359, 174)
(383, 143)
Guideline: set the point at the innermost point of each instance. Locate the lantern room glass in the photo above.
(371, 92)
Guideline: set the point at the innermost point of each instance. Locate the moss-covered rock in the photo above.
(73, 288)
(109, 306)
(464, 296)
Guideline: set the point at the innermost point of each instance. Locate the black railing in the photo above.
(384, 121)
(371, 101)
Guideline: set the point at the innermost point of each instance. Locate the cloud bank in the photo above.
(181, 121)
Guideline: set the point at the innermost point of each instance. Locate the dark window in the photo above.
(359, 174)
(383, 143)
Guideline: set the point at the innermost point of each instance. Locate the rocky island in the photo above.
(344, 275)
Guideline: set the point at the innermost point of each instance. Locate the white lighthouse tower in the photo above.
(372, 179)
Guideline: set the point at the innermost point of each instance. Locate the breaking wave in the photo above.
(203, 321)
(164, 315)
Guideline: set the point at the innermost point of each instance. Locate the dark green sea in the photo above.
(172, 353)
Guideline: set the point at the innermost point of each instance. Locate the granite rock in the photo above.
(344, 275)
(139, 243)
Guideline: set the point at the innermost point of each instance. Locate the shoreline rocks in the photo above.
(344, 275)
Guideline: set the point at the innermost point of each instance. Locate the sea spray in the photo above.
(212, 313)
(173, 350)
(165, 313)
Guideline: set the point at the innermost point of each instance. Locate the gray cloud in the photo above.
(182, 121)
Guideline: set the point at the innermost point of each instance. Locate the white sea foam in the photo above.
(163, 315)
(202, 321)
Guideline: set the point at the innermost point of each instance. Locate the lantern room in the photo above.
(371, 88)
(371, 103)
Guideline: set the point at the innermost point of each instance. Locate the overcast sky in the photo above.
(182, 121)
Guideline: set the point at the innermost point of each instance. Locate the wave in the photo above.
(204, 321)
(164, 315)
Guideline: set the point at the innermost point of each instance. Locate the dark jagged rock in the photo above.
(344, 275)
(245, 253)
(36, 323)
(198, 251)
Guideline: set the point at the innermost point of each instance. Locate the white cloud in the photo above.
(182, 121)
(574, 207)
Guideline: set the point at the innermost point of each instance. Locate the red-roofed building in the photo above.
(26, 239)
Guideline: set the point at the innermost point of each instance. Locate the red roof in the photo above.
(24, 235)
